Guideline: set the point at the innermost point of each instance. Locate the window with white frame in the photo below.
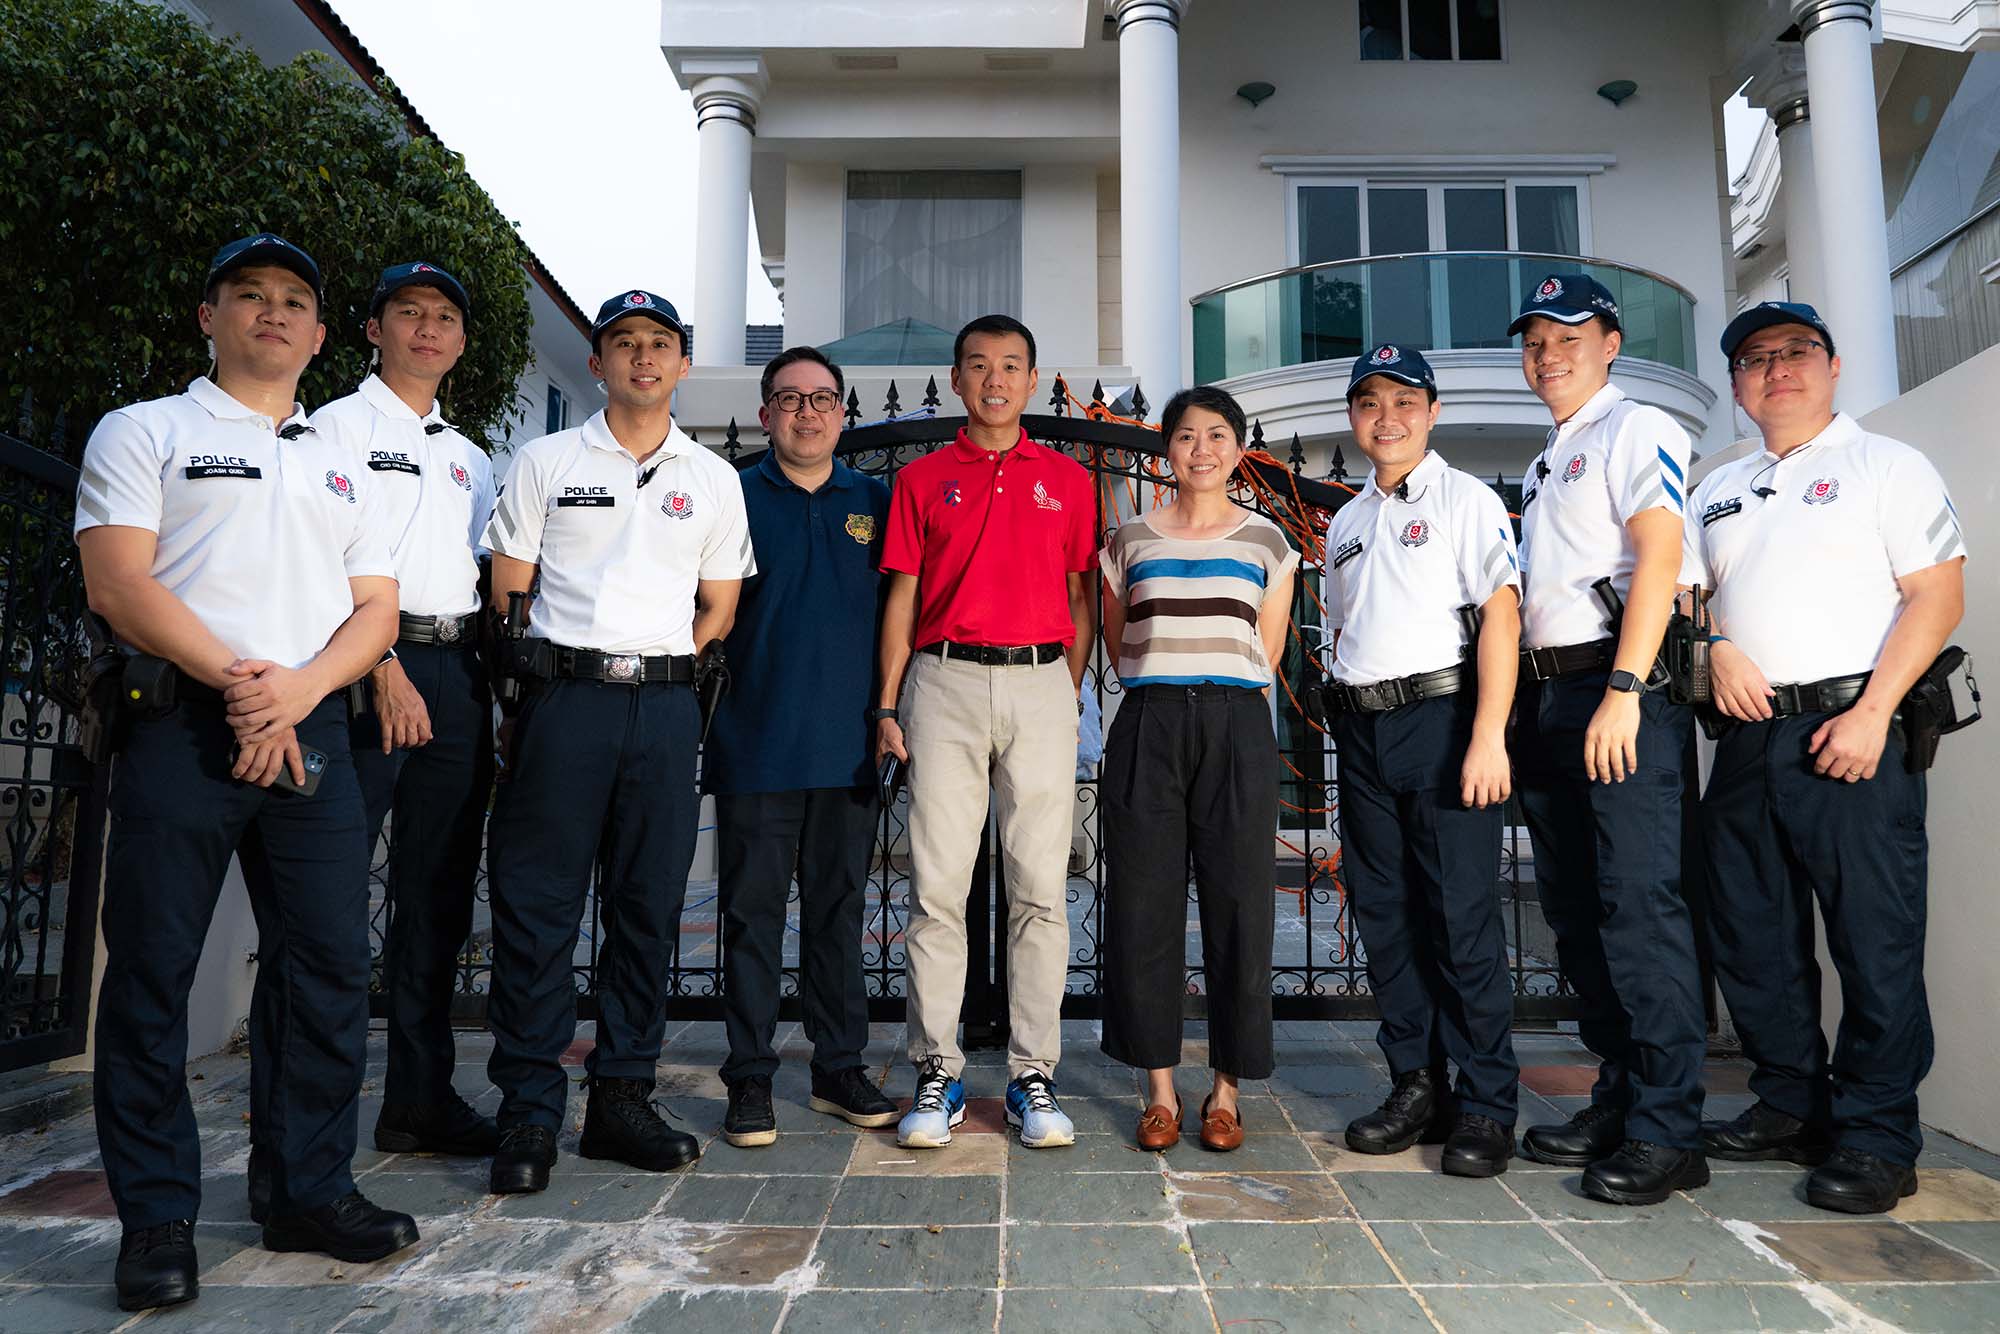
(939, 247)
(557, 418)
(1430, 29)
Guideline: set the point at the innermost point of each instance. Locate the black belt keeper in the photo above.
(1545, 664)
(582, 664)
(1828, 696)
(1382, 696)
(446, 631)
(1027, 655)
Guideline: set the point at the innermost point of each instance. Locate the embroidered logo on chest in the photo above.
(1045, 500)
(1415, 533)
(1823, 491)
(861, 527)
(952, 494)
(677, 504)
(460, 477)
(1575, 468)
(337, 483)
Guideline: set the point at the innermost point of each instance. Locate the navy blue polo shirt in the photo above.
(802, 653)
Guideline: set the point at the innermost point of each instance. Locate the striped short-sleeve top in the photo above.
(1191, 605)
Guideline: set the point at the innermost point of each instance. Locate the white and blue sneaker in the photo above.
(938, 1106)
(1031, 1105)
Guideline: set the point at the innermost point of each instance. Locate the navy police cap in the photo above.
(418, 274)
(1567, 298)
(638, 302)
(1768, 313)
(1403, 364)
(263, 248)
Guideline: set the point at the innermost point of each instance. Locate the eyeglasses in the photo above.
(791, 400)
(1791, 354)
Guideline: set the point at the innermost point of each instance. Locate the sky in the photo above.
(569, 117)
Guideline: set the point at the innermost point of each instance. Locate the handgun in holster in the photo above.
(120, 688)
(1470, 618)
(1614, 607)
(505, 642)
(1929, 712)
(711, 682)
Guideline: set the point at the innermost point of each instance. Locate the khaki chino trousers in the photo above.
(1010, 730)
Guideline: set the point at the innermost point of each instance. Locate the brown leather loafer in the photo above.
(1159, 1128)
(1221, 1128)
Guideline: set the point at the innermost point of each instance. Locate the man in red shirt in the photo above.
(988, 613)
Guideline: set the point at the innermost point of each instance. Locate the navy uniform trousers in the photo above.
(1423, 879)
(1608, 869)
(1190, 773)
(825, 837)
(438, 794)
(1779, 836)
(602, 779)
(176, 818)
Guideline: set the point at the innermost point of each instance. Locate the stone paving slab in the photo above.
(834, 1228)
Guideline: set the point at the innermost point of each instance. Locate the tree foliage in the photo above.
(132, 145)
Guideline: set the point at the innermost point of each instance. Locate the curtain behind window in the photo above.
(938, 246)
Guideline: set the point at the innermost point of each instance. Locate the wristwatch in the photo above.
(877, 715)
(1626, 682)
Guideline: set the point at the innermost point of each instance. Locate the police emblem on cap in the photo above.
(1386, 355)
(461, 477)
(638, 299)
(1574, 468)
(679, 504)
(1415, 533)
(337, 483)
(861, 527)
(422, 268)
(1822, 490)
(1550, 289)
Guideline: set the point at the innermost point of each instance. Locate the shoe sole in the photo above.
(516, 1185)
(1597, 1190)
(1047, 1142)
(750, 1139)
(1847, 1204)
(1473, 1167)
(317, 1246)
(1804, 1157)
(925, 1141)
(866, 1120)
(170, 1293)
(666, 1163)
(1543, 1156)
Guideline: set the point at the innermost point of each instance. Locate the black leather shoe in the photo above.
(452, 1127)
(1763, 1134)
(349, 1229)
(1643, 1173)
(260, 1185)
(1853, 1182)
(751, 1122)
(852, 1096)
(619, 1123)
(1479, 1147)
(521, 1164)
(1593, 1133)
(156, 1266)
(1413, 1111)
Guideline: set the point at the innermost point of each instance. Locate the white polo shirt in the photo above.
(1804, 579)
(621, 544)
(436, 488)
(1611, 461)
(1398, 571)
(258, 535)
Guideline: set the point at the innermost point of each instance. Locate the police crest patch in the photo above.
(1415, 533)
(1386, 355)
(461, 477)
(1549, 290)
(1822, 490)
(337, 483)
(1575, 467)
(861, 527)
(677, 504)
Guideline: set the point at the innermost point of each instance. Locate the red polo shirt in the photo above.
(992, 537)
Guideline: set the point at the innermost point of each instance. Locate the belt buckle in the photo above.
(623, 666)
(445, 629)
(1369, 697)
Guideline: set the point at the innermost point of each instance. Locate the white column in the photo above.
(1847, 170)
(1793, 121)
(727, 92)
(1149, 191)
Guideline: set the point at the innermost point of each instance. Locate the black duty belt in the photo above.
(987, 655)
(1382, 696)
(582, 664)
(437, 629)
(1542, 664)
(1828, 696)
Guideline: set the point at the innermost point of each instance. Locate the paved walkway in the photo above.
(835, 1229)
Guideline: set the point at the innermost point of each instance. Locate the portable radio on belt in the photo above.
(1684, 651)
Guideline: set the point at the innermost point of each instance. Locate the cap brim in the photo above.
(1756, 321)
(652, 313)
(1400, 377)
(1561, 315)
(259, 257)
(453, 290)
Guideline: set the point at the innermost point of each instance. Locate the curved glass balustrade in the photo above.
(1449, 299)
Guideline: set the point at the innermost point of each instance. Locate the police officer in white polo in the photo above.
(641, 544)
(1838, 570)
(1418, 709)
(220, 533)
(424, 745)
(1598, 748)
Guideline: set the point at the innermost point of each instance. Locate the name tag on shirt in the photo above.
(1721, 509)
(1348, 551)
(588, 502)
(196, 471)
(391, 463)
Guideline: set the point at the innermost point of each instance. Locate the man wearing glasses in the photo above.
(792, 783)
(1838, 571)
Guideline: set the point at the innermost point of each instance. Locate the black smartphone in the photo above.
(315, 766)
(890, 779)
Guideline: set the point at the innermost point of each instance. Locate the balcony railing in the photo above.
(1438, 300)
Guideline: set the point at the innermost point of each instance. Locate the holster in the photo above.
(711, 682)
(1929, 712)
(120, 688)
